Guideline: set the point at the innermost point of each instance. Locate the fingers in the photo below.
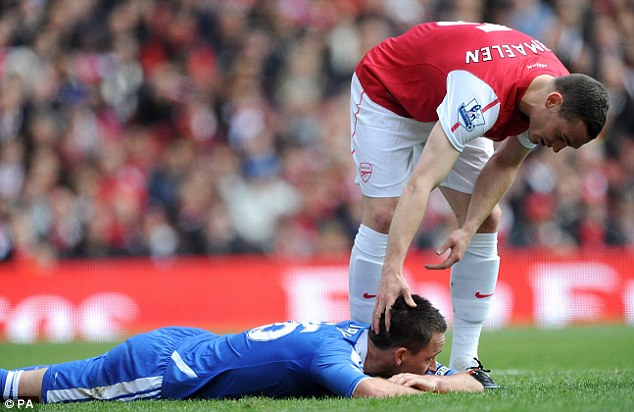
(437, 266)
(456, 245)
(385, 299)
(379, 308)
(383, 304)
(453, 257)
(388, 312)
(401, 378)
(449, 243)
(407, 379)
(425, 383)
(441, 266)
(408, 298)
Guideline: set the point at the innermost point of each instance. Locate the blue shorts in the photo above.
(132, 370)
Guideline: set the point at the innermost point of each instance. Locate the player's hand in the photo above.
(456, 243)
(391, 286)
(427, 383)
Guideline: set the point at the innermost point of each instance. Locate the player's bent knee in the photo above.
(378, 213)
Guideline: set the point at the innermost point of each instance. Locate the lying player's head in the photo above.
(575, 112)
(419, 330)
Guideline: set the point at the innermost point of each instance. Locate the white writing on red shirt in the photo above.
(503, 51)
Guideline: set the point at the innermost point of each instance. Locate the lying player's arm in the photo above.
(409, 383)
(381, 388)
(459, 382)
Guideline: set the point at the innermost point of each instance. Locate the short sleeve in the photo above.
(442, 370)
(523, 139)
(338, 368)
(470, 108)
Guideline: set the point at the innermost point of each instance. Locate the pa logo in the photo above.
(470, 115)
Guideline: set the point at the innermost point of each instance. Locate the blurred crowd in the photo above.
(160, 128)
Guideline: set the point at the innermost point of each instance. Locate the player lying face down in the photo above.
(278, 360)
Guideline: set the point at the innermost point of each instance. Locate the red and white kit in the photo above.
(470, 76)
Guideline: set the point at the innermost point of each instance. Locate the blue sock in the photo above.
(3, 381)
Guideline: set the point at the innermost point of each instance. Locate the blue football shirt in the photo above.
(277, 360)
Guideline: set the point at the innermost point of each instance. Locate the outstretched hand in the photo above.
(456, 243)
(390, 287)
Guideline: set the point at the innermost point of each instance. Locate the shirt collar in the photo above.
(361, 346)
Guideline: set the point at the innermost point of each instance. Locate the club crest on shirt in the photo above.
(365, 171)
(470, 115)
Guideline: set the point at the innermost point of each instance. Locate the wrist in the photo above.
(391, 267)
(469, 231)
(391, 273)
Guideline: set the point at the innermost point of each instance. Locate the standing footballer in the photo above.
(452, 89)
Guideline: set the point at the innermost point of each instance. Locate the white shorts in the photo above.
(386, 148)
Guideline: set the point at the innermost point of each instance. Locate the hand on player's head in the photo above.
(411, 327)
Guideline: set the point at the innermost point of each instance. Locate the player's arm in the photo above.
(459, 382)
(409, 383)
(437, 159)
(494, 180)
(381, 388)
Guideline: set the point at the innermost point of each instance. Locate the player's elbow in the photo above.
(420, 186)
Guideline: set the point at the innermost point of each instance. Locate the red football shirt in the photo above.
(470, 76)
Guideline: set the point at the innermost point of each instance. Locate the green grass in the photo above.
(576, 369)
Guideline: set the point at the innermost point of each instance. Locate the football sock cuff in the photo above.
(371, 243)
(3, 382)
(9, 383)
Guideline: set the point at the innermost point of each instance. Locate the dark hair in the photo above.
(584, 98)
(412, 328)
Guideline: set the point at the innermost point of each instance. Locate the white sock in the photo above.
(11, 385)
(366, 261)
(473, 282)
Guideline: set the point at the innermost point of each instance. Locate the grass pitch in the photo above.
(576, 369)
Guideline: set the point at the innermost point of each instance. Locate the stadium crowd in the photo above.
(153, 127)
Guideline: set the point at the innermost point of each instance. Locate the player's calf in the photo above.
(23, 385)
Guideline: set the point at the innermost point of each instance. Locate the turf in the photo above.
(577, 369)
